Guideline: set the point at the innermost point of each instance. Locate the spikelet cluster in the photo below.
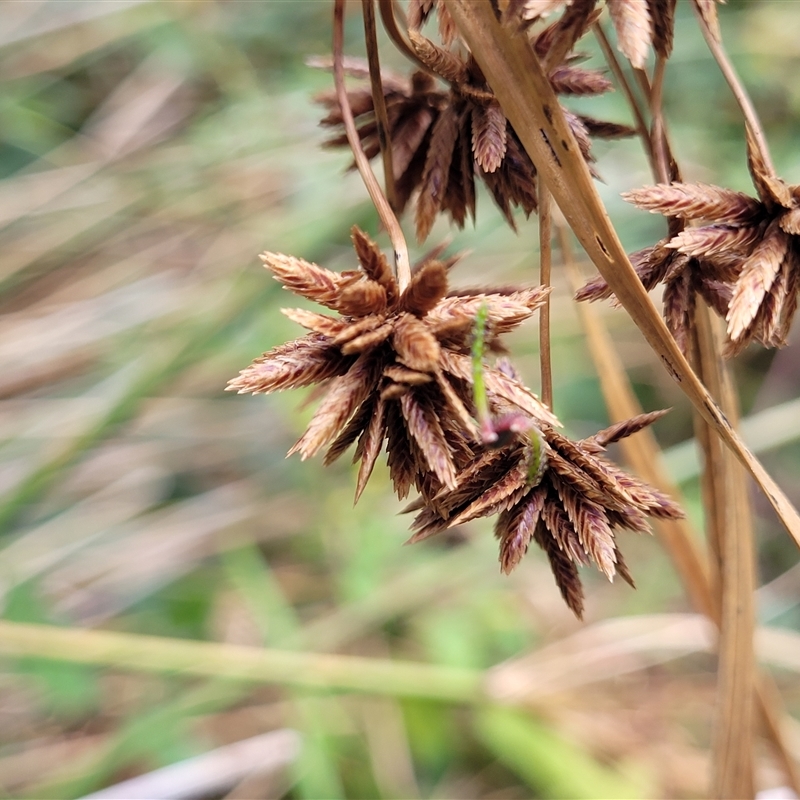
(743, 257)
(443, 138)
(395, 365)
(396, 370)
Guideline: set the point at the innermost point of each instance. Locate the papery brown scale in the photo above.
(717, 295)
(427, 287)
(437, 171)
(404, 375)
(448, 32)
(304, 278)
(696, 201)
(563, 532)
(345, 395)
(564, 571)
(634, 29)
(622, 568)
(418, 11)
(509, 486)
(631, 518)
(354, 428)
(771, 189)
(301, 362)
(714, 239)
(374, 263)
(319, 323)
(454, 201)
(561, 37)
(402, 459)
(415, 345)
(592, 467)
(679, 303)
(758, 275)
(369, 339)
(409, 140)
(488, 135)
(515, 527)
(626, 428)
(444, 63)
(590, 523)
(792, 264)
(354, 328)
(362, 298)
(456, 405)
(369, 446)
(790, 221)
(423, 425)
(602, 129)
(579, 81)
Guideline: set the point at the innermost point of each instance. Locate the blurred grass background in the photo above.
(148, 152)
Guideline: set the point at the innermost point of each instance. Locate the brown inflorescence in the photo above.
(395, 364)
(744, 260)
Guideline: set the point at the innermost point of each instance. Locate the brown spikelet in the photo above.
(427, 287)
(696, 201)
(634, 28)
(364, 297)
(758, 275)
(441, 61)
(714, 239)
(416, 346)
(515, 528)
(345, 395)
(417, 13)
(369, 445)
(708, 11)
(771, 189)
(557, 521)
(591, 525)
(402, 458)
(564, 571)
(423, 426)
(663, 14)
(488, 135)
(354, 428)
(626, 428)
(679, 305)
(500, 495)
(374, 263)
(320, 323)
(298, 363)
(602, 129)
(790, 221)
(448, 32)
(565, 32)
(368, 339)
(579, 81)
(436, 173)
(304, 278)
(402, 374)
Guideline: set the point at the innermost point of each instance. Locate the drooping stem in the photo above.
(378, 99)
(545, 264)
(376, 194)
(616, 68)
(390, 23)
(736, 86)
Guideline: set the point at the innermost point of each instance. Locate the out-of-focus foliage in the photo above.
(148, 152)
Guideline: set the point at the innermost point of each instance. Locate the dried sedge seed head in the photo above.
(391, 360)
(570, 508)
(440, 139)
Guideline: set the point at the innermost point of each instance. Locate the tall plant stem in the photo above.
(545, 264)
(378, 99)
(390, 23)
(714, 42)
(376, 194)
(528, 101)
